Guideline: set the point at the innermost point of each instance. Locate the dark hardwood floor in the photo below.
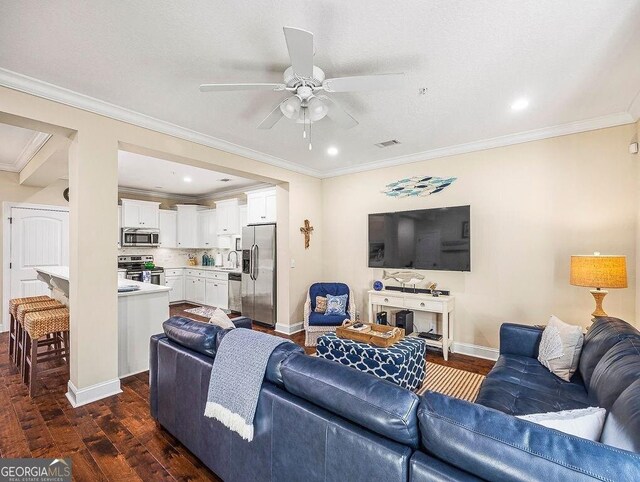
(115, 438)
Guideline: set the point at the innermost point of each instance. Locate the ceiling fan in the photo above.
(307, 83)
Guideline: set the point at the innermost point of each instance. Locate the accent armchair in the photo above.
(317, 324)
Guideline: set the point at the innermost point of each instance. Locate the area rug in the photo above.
(204, 311)
(451, 381)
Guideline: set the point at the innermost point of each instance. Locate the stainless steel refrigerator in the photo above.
(259, 273)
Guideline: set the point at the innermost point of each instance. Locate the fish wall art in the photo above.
(417, 186)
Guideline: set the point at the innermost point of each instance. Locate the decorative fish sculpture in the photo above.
(417, 186)
(404, 277)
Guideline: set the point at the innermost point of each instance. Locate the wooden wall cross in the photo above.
(307, 229)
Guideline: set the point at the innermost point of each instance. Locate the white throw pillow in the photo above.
(221, 319)
(560, 348)
(583, 422)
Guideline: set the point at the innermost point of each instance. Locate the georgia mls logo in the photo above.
(35, 470)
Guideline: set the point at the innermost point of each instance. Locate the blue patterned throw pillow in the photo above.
(336, 305)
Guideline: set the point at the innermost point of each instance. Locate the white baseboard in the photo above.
(477, 351)
(289, 329)
(78, 397)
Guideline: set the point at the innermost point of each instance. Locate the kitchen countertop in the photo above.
(206, 268)
(62, 273)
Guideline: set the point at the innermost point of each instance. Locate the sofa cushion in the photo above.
(496, 446)
(622, 427)
(518, 399)
(604, 333)
(324, 289)
(520, 385)
(615, 372)
(322, 319)
(375, 404)
(195, 335)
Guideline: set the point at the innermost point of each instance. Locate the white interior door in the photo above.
(39, 237)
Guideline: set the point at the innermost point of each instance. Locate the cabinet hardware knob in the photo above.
(421, 304)
(386, 300)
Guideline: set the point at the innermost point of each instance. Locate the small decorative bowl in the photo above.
(377, 285)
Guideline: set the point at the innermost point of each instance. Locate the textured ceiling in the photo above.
(574, 60)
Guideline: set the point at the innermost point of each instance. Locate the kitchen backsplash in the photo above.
(173, 258)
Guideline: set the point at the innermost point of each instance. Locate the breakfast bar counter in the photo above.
(140, 315)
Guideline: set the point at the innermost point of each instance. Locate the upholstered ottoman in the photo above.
(403, 363)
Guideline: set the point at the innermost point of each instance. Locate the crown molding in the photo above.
(30, 149)
(29, 85)
(634, 108)
(612, 120)
(39, 88)
(237, 191)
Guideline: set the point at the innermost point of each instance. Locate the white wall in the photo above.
(532, 206)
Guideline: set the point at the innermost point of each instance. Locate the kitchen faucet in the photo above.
(235, 264)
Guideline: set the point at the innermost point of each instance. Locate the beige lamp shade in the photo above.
(598, 271)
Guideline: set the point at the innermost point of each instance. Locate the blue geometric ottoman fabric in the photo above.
(402, 363)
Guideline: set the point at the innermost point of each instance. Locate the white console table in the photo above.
(442, 305)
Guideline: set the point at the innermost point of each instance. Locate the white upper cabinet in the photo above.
(140, 214)
(207, 228)
(119, 226)
(243, 217)
(168, 225)
(228, 214)
(261, 206)
(187, 216)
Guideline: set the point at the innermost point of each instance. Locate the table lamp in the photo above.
(599, 272)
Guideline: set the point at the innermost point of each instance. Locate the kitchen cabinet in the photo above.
(176, 283)
(194, 289)
(140, 214)
(243, 217)
(217, 293)
(261, 206)
(207, 228)
(119, 226)
(168, 225)
(228, 217)
(187, 224)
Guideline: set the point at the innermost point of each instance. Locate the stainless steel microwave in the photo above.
(140, 237)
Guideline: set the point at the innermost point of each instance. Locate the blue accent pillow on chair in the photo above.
(336, 305)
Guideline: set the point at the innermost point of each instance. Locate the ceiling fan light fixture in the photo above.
(291, 107)
(317, 109)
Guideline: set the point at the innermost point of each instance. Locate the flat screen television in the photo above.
(433, 239)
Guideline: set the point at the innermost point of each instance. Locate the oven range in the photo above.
(135, 265)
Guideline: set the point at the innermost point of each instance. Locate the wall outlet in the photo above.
(357, 315)
(293, 263)
(432, 326)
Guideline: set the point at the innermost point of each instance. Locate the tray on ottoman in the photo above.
(402, 363)
(372, 337)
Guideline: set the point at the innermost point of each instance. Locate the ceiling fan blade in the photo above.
(229, 87)
(364, 82)
(274, 116)
(337, 114)
(300, 45)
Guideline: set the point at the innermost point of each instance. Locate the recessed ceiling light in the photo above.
(332, 151)
(520, 104)
(187, 179)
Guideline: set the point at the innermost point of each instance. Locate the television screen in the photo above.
(434, 239)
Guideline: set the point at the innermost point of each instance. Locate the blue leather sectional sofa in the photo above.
(321, 421)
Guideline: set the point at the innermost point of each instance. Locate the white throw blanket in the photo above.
(236, 378)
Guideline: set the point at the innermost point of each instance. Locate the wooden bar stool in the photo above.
(13, 322)
(48, 329)
(21, 311)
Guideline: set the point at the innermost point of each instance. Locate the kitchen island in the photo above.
(140, 315)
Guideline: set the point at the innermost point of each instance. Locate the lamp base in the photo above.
(599, 295)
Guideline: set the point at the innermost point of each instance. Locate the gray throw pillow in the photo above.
(560, 348)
